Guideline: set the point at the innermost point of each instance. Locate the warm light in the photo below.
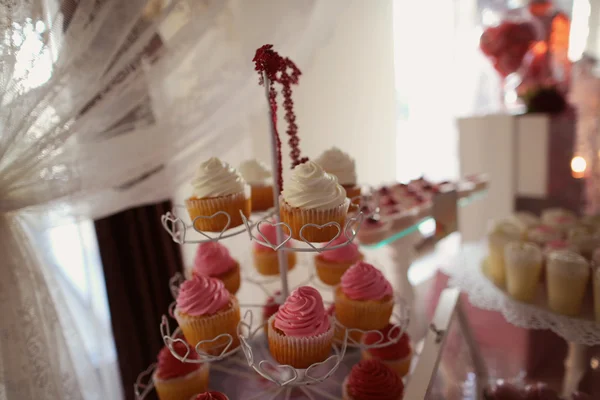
(578, 166)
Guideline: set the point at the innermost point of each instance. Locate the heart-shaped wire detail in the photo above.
(266, 241)
(220, 235)
(267, 369)
(316, 379)
(143, 384)
(175, 226)
(320, 249)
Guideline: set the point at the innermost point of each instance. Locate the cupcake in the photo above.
(218, 187)
(396, 356)
(551, 247)
(176, 380)
(339, 164)
(567, 275)
(372, 379)
(502, 233)
(596, 283)
(584, 239)
(364, 299)
(210, 396)
(301, 333)
(204, 310)
(331, 264)
(266, 260)
(543, 234)
(311, 196)
(213, 259)
(257, 175)
(523, 264)
(559, 218)
(526, 219)
(374, 230)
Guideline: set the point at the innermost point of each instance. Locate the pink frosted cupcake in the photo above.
(265, 258)
(213, 259)
(331, 264)
(301, 332)
(364, 299)
(205, 309)
(175, 380)
(372, 380)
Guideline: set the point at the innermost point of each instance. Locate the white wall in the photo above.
(345, 98)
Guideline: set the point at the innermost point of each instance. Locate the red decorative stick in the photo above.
(283, 71)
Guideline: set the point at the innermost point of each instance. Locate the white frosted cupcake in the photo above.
(258, 176)
(502, 233)
(218, 187)
(585, 239)
(342, 166)
(543, 234)
(559, 218)
(523, 263)
(567, 275)
(311, 196)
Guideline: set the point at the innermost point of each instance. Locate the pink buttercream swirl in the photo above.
(212, 259)
(270, 233)
(202, 295)
(343, 254)
(302, 314)
(362, 281)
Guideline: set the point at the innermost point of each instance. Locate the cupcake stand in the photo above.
(248, 372)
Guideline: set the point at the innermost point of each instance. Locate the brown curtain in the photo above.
(139, 257)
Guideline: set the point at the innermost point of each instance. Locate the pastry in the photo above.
(342, 166)
(584, 239)
(526, 219)
(204, 310)
(364, 299)
(543, 234)
(301, 333)
(213, 259)
(176, 380)
(311, 196)
(257, 175)
(523, 262)
(266, 260)
(218, 187)
(559, 218)
(567, 275)
(503, 232)
(374, 230)
(396, 356)
(331, 264)
(372, 379)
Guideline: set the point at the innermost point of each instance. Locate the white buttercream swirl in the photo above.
(336, 162)
(254, 172)
(310, 187)
(217, 178)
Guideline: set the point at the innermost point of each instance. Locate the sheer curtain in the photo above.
(106, 105)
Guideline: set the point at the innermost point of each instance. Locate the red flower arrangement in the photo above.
(283, 71)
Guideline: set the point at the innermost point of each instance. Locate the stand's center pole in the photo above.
(281, 254)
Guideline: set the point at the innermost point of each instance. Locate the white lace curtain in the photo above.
(107, 104)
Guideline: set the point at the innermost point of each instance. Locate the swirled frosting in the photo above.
(216, 178)
(310, 187)
(372, 380)
(202, 295)
(212, 259)
(169, 367)
(362, 281)
(395, 351)
(347, 253)
(210, 396)
(254, 172)
(337, 163)
(302, 314)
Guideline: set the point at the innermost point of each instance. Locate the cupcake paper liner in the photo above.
(184, 387)
(401, 366)
(267, 263)
(262, 197)
(299, 352)
(296, 218)
(329, 272)
(363, 314)
(231, 279)
(206, 327)
(231, 204)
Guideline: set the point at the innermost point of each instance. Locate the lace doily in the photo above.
(466, 274)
